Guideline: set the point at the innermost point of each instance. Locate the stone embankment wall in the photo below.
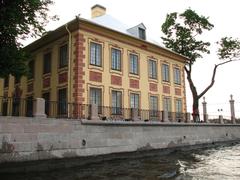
(27, 139)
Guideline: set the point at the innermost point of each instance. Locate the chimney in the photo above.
(98, 10)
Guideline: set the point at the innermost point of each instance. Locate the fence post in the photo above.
(39, 108)
(221, 119)
(205, 115)
(134, 114)
(94, 112)
(232, 109)
(188, 117)
(165, 116)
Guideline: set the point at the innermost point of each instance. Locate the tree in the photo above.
(182, 33)
(20, 19)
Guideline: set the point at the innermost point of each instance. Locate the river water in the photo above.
(219, 163)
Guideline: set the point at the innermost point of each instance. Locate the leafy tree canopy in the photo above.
(181, 32)
(229, 49)
(19, 19)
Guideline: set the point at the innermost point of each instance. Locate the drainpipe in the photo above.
(69, 69)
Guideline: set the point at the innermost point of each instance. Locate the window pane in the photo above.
(116, 59)
(178, 105)
(134, 100)
(133, 64)
(152, 67)
(177, 76)
(63, 61)
(167, 104)
(95, 54)
(47, 63)
(46, 97)
(62, 101)
(165, 72)
(96, 96)
(116, 102)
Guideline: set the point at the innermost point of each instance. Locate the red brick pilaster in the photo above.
(79, 64)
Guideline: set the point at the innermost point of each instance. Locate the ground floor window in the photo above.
(153, 105)
(96, 98)
(116, 102)
(134, 100)
(62, 101)
(46, 97)
(29, 106)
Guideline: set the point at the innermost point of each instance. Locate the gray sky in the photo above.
(224, 14)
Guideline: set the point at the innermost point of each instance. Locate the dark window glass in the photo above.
(95, 54)
(31, 69)
(46, 97)
(133, 64)
(17, 80)
(142, 33)
(47, 63)
(152, 69)
(63, 56)
(116, 59)
(116, 102)
(62, 101)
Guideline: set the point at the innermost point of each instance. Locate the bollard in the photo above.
(39, 108)
(221, 119)
(94, 112)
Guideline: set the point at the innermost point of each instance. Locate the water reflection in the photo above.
(205, 164)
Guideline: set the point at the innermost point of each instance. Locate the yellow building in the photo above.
(99, 61)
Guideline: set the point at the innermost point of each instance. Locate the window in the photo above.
(62, 101)
(63, 56)
(167, 104)
(46, 97)
(47, 63)
(178, 107)
(116, 102)
(95, 54)
(133, 64)
(31, 69)
(29, 109)
(153, 106)
(116, 59)
(142, 33)
(6, 82)
(134, 100)
(165, 72)
(152, 69)
(177, 76)
(96, 97)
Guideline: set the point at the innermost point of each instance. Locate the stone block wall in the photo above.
(27, 139)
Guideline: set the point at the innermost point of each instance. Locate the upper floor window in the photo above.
(31, 69)
(134, 100)
(63, 56)
(152, 69)
(47, 63)
(142, 33)
(95, 54)
(177, 75)
(116, 59)
(133, 64)
(165, 72)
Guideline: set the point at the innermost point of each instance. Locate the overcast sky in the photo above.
(224, 14)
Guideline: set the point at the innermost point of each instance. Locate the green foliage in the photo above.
(229, 48)
(181, 32)
(19, 19)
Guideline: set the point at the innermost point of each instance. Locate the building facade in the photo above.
(95, 62)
